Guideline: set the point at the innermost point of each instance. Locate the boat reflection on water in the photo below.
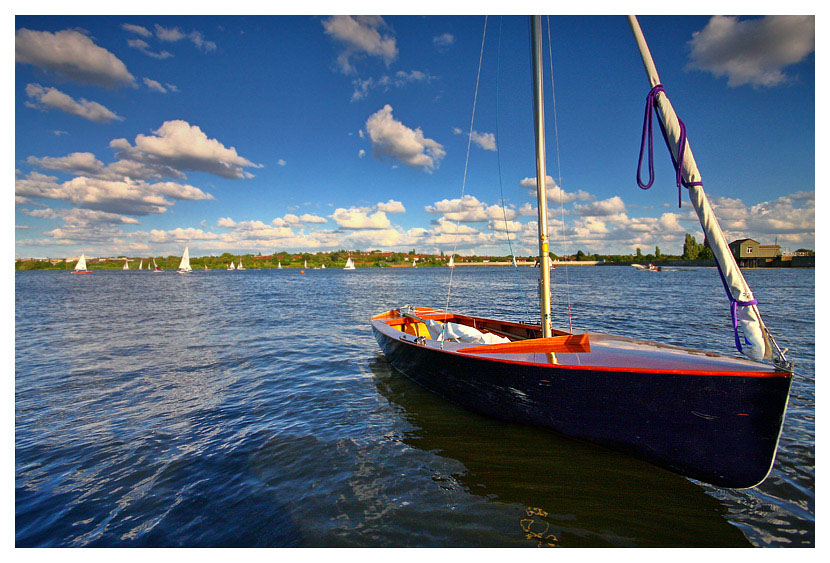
(573, 494)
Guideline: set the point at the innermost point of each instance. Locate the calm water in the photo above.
(255, 409)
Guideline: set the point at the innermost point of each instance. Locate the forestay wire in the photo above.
(466, 163)
(501, 186)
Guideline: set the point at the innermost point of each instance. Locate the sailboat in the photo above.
(126, 265)
(711, 417)
(141, 264)
(514, 262)
(305, 263)
(279, 265)
(231, 266)
(155, 266)
(240, 267)
(349, 264)
(184, 265)
(80, 267)
(451, 263)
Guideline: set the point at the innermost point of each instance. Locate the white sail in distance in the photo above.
(184, 265)
(81, 265)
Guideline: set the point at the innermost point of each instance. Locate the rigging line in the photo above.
(501, 187)
(559, 179)
(466, 163)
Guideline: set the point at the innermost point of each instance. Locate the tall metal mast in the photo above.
(541, 173)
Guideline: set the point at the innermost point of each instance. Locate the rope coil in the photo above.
(647, 142)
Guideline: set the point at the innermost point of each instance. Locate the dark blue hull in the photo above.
(720, 429)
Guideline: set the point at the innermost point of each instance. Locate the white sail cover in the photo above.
(757, 344)
(184, 265)
(81, 265)
(453, 332)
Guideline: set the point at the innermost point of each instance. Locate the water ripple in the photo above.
(254, 409)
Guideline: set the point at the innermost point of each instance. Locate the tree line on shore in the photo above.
(692, 250)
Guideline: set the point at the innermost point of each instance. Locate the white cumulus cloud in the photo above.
(469, 209)
(52, 98)
(182, 146)
(391, 206)
(486, 141)
(71, 55)
(360, 218)
(393, 139)
(610, 206)
(752, 51)
(154, 85)
(360, 36)
(554, 193)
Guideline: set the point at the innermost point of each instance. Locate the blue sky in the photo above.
(139, 134)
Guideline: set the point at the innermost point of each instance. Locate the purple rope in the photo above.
(646, 141)
(733, 308)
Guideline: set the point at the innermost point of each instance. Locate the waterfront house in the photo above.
(749, 253)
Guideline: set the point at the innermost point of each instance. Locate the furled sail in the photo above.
(757, 342)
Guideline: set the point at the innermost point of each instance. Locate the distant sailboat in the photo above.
(349, 264)
(141, 264)
(126, 265)
(514, 263)
(323, 267)
(451, 263)
(279, 265)
(80, 267)
(240, 267)
(184, 265)
(155, 266)
(231, 266)
(305, 263)
(414, 265)
(206, 268)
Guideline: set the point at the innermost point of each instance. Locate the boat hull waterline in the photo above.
(712, 418)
